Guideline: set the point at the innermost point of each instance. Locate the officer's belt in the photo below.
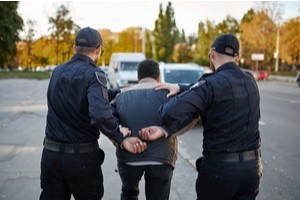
(234, 157)
(70, 148)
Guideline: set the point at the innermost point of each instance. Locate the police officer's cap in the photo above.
(88, 37)
(226, 41)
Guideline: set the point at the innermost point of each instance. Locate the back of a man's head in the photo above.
(148, 68)
(226, 44)
(87, 40)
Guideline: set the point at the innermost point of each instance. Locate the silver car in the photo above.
(180, 73)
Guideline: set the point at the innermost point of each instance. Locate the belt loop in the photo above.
(62, 148)
(76, 149)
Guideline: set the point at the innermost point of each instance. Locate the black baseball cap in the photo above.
(88, 37)
(226, 41)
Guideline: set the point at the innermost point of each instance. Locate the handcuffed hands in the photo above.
(151, 133)
(124, 130)
(134, 145)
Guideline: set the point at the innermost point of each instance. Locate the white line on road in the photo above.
(282, 99)
(20, 108)
(261, 123)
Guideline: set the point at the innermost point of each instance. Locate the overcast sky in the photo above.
(118, 15)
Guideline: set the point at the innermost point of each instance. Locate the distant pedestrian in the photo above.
(78, 109)
(228, 103)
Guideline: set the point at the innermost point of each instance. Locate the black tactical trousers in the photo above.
(223, 180)
(157, 181)
(66, 174)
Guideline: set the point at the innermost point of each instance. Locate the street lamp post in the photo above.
(276, 55)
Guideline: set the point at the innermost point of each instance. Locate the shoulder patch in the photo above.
(198, 84)
(101, 77)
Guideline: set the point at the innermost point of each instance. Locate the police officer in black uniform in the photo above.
(78, 109)
(228, 104)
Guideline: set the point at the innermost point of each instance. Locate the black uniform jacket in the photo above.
(78, 103)
(228, 103)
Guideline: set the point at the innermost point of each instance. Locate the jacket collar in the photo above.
(79, 56)
(227, 65)
(146, 83)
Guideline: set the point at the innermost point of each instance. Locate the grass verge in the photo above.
(25, 75)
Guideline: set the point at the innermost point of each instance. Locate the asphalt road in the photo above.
(22, 123)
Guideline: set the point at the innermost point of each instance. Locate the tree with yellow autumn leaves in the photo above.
(257, 32)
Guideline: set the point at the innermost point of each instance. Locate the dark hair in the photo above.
(148, 68)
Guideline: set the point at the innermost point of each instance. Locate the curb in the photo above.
(283, 78)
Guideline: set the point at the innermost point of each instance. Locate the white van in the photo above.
(123, 69)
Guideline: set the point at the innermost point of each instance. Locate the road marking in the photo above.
(20, 108)
(261, 123)
(282, 99)
(13, 149)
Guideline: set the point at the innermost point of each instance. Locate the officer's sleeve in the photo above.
(99, 109)
(183, 88)
(112, 93)
(182, 109)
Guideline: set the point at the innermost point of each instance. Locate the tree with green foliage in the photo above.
(182, 50)
(10, 25)
(207, 32)
(182, 37)
(28, 40)
(228, 25)
(206, 35)
(63, 28)
(69, 37)
(165, 33)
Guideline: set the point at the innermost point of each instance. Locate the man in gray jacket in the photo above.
(138, 108)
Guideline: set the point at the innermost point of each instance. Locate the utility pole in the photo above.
(277, 51)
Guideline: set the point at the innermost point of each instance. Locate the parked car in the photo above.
(254, 73)
(298, 78)
(180, 73)
(262, 75)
